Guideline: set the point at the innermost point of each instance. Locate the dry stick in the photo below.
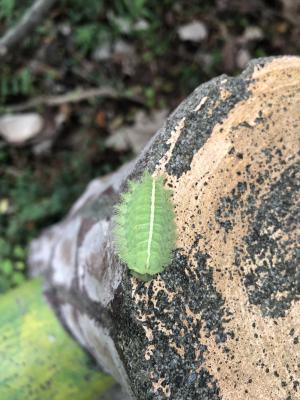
(29, 22)
(72, 97)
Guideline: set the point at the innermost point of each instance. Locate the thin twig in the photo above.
(28, 23)
(74, 96)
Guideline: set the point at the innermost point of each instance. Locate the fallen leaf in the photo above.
(195, 31)
(100, 119)
(18, 128)
(242, 58)
(121, 52)
(229, 54)
(136, 136)
(291, 10)
(123, 25)
(141, 25)
(251, 34)
(103, 52)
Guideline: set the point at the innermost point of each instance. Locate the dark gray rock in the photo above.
(223, 320)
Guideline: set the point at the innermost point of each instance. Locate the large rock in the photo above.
(223, 321)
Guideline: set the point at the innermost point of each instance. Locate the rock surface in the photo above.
(223, 321)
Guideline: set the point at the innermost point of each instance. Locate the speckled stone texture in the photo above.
(223, 321)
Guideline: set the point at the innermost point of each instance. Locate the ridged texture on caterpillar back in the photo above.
(144, 226)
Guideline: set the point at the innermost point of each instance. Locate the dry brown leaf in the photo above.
(136, 136)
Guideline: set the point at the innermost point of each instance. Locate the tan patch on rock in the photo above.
(149, 351)
(160, 386)
(201, 104)
(172, 141)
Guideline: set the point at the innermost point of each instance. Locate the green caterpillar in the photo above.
(144, 229)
